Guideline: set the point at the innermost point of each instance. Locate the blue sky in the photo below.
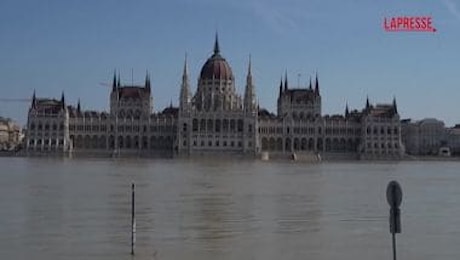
(73, 46)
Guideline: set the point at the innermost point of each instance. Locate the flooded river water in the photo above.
(225, 209)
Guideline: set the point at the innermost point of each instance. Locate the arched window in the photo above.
(217, 126)
(195, 125)
(240, 125)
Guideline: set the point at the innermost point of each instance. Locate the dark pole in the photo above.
(394, 198)
(133, 220)
(394, 246)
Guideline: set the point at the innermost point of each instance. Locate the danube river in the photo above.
(225, 209)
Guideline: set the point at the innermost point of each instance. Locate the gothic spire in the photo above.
(216, 45)
(317, 84)
(347, 112)
(395, 107)
(310, 87)
(249, 76)
(33, 100)
(185, 70)
(281, 86)
(249, 93)
(78, 106)
(62, 100)
(285, 81)
(119, 81)
(114, 83)
(367, 103)
(185, 96)
(147, 80)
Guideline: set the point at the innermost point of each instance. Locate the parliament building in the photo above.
(215, 119)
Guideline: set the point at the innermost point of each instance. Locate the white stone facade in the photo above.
(214, 119)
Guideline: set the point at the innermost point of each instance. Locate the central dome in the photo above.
(216, 67)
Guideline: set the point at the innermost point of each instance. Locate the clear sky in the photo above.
(74, 46)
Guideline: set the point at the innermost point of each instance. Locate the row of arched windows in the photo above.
(310, 144)
(382, 130)
(47, 126)
(219, 125)
(122, 142)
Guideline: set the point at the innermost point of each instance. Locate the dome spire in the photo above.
(216, 45)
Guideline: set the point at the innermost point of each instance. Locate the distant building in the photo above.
(453, 139)
(215, 119)
(424, 137)
(10, 134)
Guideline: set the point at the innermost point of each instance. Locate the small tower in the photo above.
(78, 106)
(62, 100)
(395, 107)
(147, 82)
(285, 81)
(317, 85)
(249, 93)
(114, 83)
(281, 87)
(185, 95)
(34, 101)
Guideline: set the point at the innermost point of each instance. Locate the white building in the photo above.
(424, 137)
(214, 119)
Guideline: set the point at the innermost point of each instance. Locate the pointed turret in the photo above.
(281, 86)
(119, 81)
(114, 83)
(216, 45)
(185, 96)
(346, 110)
(285, 81)
(78, 106)
(249, 76)
(147, 81)
(317, 84)
(395, 107)
(62, 100)
(249, 93)
(34, 100)
(367, 103)
(310, 86)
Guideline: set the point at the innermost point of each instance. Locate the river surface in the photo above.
(225, 209)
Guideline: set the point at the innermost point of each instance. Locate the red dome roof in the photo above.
(216, 67)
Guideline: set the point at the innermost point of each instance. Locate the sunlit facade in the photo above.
(215, 119)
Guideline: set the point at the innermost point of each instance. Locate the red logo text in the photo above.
(408, 24)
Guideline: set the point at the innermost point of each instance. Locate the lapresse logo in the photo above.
(408, 24)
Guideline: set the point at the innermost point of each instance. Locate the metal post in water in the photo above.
(133, 220)
(394, 246)
(394, 198)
